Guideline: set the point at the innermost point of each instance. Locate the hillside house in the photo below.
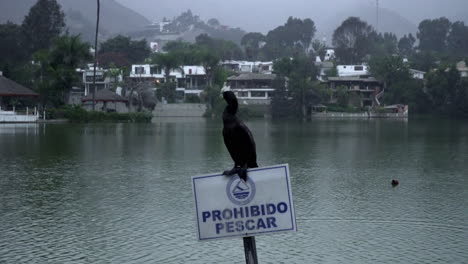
(248, 66)
(189, 79)
(417, 74)
(252, 88)
(462, 68)
(104, 81)
(363, 90)
(352, 70)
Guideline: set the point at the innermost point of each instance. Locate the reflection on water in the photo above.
(121, 193)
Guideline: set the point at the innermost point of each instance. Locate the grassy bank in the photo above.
(79, 115)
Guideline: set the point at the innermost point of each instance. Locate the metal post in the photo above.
(250, 250)
(95, 53)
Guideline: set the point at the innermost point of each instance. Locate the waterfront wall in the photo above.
(13, 117)
(179, 110)
(359, 115)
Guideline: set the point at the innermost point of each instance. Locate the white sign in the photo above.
(226, 206)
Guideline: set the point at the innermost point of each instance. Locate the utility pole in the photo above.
(377, 15)
(95, 53)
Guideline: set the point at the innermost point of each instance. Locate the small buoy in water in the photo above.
(395, 183)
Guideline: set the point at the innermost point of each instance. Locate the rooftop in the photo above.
(352, 79)
(252, 76)
(11, 88)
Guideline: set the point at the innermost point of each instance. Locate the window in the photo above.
(140, 70)
(358, 68)
(258, 94)
(155, 70)
(243, 94)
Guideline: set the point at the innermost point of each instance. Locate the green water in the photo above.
(121, 193)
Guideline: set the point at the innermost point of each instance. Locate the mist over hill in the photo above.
(81, 16)
(131, 16)
(398, 16)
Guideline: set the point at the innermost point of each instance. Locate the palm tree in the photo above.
(169, 61)
(66, 55)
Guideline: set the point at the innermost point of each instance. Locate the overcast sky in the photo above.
(263, 15)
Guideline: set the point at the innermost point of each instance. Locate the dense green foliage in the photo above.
(302, 90)
(56, 69)
(353, 40)
(440, 39)
(448, 92)
(122, 52)
(78, 114)
(406, 45)
(39, 55)
(44, 23)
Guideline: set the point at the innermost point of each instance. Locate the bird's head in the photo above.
(225, 89)
(230, 99)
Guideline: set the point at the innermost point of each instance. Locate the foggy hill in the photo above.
(389, 21)
(187, 26)
(115, 18)
(399, 16)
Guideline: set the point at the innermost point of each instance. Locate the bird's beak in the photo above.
(224, 89)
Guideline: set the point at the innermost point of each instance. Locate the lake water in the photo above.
(121, 193)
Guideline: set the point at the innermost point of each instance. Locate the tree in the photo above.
(423, 61)
(457, 40)
(389, 69)
(169, 62)
(433, 34)
(447, 91)
(57, 72)
(252, 43)
(319, 48)
(10, 35)
(342, 96)
(44, 23)
(12, 53)
(223, 49)
(400, 88)
(406, 45)
(353, 40)
(293, 38)
(301, 74)
(384, 45)
(126, 50)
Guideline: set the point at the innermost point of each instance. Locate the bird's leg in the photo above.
(233, 171)
(243, 173)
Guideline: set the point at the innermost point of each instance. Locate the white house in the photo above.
(352, 70)
(416, 74)
(329, 55)
(104, 79)
(462, 68)
(252, 88)
(190, 79)
(248, 66)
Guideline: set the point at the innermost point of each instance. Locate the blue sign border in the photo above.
(293, 227)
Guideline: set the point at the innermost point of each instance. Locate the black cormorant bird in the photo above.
(237, 138)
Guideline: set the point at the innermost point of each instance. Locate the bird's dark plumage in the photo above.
(237, 138)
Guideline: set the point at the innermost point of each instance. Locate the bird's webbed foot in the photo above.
(241, 171)
(231, 172)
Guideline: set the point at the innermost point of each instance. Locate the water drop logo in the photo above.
(240, 192)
